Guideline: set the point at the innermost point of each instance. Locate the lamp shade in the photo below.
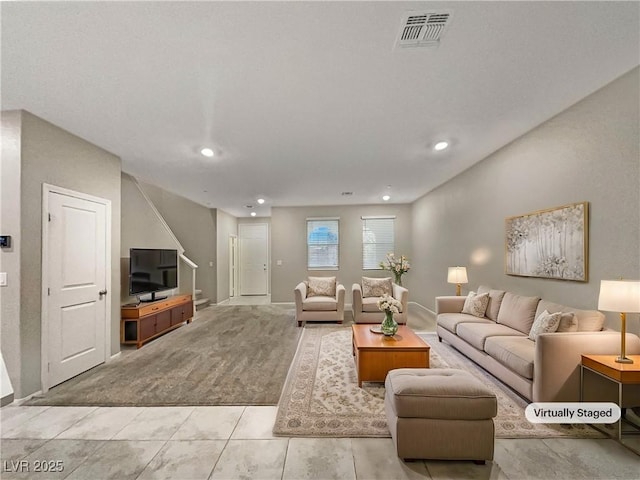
(457, 275)
(619, 296)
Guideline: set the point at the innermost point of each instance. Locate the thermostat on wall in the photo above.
(5, 241)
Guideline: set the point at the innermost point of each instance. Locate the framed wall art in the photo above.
(551, 243)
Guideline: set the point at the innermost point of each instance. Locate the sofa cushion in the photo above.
(475, 334)
(518, 312)
(544, 323)
(376, 287)
(319, 303)
(495, 300)
(451, 320)
(476, 304)
(588, 320)
(515, 353)
(321, 287)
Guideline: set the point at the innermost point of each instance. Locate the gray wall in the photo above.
(141, 228)
(11, 124)
(227, 225)
(588, 153)
(54, 156)
(289, 232)
(195, 228)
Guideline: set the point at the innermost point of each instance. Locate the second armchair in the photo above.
(366, 295)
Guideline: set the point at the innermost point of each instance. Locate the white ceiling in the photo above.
(303, 101)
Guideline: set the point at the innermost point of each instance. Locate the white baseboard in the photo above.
(114, 356)
(20, 401)
(227, 300)
(419, 305)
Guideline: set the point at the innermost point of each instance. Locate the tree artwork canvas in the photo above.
(550, 243)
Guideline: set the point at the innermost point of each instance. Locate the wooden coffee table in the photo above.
(375, 354)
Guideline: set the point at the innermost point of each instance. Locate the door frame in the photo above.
(44, 309)
(233, 265)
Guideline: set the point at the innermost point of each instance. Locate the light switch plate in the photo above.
(279, 262)
(3, 279)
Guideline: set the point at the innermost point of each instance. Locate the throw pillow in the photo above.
(322, 287)
(476, 304)
(545, 323)
(376, 287)
(568, 322)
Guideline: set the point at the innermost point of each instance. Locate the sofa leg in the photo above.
(299, 324)
(439, 338)
(480, 462)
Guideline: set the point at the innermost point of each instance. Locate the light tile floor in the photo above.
(235, 442)
(95, 443)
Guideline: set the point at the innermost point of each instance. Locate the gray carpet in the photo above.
(229, 355)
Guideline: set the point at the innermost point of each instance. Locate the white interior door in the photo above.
(254, 270)
(75, 238)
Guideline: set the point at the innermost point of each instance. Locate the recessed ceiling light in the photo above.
(441, 145)
(253, 214)
(261, 201)
(386, 198)
(207, 152)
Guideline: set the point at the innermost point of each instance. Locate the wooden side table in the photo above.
(620, 373)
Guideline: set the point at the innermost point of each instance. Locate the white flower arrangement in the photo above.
(388, 304)
(398, 265)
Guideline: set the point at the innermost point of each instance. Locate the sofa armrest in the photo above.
(340, 291)
(449, 304)
(402, 295)
(300, 293)
(556, 371)
(356, 301)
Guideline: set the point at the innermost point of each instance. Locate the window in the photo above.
(322, 243)
(377, 240)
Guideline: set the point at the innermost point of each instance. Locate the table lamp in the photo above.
(620, 296)
(457, 275)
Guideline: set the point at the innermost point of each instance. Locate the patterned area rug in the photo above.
(321, 397)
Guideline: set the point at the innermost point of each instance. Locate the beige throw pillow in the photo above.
(568, 322)
(545, 323)
(376, 287)
(322, 287)
(476, 304)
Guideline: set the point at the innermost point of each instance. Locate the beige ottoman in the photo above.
(442, 414)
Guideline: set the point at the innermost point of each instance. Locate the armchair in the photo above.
(319, 308)
(365, 309)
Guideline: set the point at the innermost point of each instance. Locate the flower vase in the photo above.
(389, 326)
(398, 278)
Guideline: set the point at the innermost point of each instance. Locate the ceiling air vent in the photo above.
(423, 29)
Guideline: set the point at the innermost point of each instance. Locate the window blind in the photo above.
(323, 242)
(377, 240)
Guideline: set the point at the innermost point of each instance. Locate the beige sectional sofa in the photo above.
(545, 370)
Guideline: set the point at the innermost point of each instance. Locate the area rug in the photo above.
(229, 355)
(321, 397)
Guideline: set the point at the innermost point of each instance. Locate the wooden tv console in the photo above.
(141, 323)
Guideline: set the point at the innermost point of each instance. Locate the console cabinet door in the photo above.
(181, 313)
(147, 327)
(163, 321)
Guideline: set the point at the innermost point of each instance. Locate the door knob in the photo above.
(101, 293)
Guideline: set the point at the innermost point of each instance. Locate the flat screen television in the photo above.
(152, 270)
